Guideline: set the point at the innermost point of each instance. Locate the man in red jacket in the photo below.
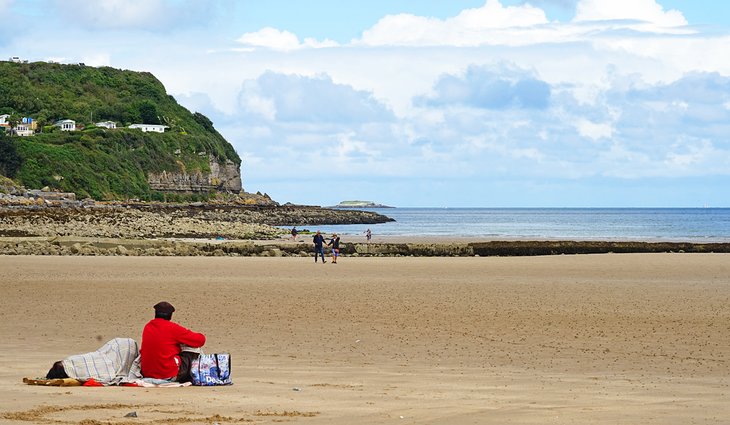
(160, 352)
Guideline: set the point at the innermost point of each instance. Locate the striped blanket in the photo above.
(109, 364)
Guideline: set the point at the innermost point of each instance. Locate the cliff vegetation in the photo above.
(107, 164)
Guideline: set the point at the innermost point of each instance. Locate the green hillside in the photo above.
(97, 162)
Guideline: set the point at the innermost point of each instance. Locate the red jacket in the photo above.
(160, 350)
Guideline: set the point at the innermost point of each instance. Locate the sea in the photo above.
(611, 224)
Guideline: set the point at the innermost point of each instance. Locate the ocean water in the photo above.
(635, 224)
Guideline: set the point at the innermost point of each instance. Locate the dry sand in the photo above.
(595, 339)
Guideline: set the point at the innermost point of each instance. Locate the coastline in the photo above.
(451, 239)
(235, 230)
(284, 247)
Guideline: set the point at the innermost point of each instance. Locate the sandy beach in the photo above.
(587, 339)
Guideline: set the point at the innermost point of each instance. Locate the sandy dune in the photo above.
(604, 339)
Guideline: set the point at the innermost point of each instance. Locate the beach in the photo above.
(568, 339)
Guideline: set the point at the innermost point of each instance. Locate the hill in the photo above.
(190, 160)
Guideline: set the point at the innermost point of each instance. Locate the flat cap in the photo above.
(164, 307)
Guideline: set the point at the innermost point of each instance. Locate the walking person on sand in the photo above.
(335, 244)
(318, 240)
(368, 235)
(294, 233)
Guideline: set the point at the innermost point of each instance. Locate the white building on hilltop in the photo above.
(66, 125)
(107, 124)
(26, 127)
(23, 130)
(156, 128)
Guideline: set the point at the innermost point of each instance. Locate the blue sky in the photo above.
(494, 103)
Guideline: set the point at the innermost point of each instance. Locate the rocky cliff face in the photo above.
(223, 177)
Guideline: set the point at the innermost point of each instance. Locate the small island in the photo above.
(360, 204)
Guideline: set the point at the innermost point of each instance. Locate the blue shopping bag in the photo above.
(211, 369)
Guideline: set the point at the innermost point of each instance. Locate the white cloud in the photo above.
(472, 27)
(272, 38)
(296, 98)
(640, 10)
(254, 101)
(349, 148)
(490, 88)
(196, 102)
(494, 15)
(623, 162)
(688, 155)
(593, 130)
(151, 15)
(496, 24)
(99, 59)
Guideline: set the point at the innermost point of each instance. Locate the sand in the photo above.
(593, 339)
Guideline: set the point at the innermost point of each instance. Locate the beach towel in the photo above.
(58, 382)
(110, 364)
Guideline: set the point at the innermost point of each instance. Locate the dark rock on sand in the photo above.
(143, 221)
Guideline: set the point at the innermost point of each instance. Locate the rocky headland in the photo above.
(148, 221)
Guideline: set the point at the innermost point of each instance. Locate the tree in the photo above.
(204, 121)
(10, 161)
(148, 112)
(13, 120)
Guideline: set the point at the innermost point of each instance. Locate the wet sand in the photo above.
(589, 339)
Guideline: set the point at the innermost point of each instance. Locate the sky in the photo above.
(460, 103)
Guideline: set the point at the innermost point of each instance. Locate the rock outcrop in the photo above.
(72, 245)
(223, 177)
(143, 221)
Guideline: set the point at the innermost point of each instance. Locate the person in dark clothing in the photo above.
(57, 371)
(318, 240)
(335, 244)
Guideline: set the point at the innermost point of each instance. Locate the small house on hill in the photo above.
(23, 130)
(66, 125)
(156, 128)
(4, 121)
(26, 127)
(107, 124)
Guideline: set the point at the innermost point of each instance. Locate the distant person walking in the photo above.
(318, 240)
(335, 244)
(368, 235)
(294, 233)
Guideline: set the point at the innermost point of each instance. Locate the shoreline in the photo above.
(302, 247)
(451, 239)
(228, 230)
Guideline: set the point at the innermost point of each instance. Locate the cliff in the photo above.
(225, 177)
(190, 160)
